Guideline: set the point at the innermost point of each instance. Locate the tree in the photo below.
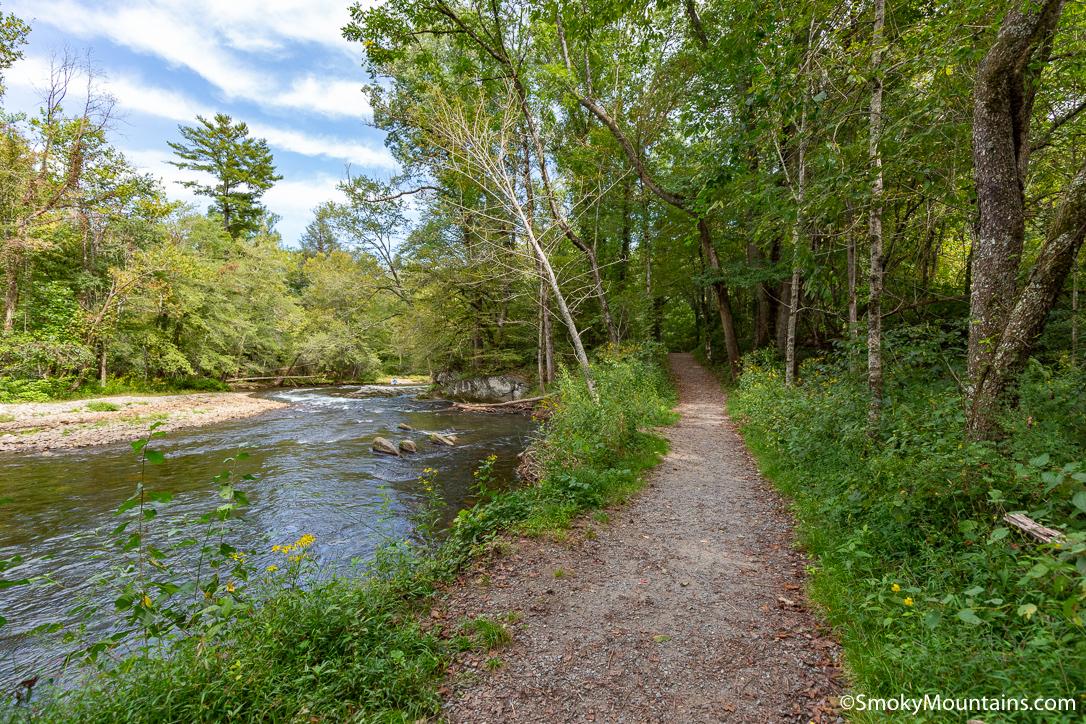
(13, 35)
(43, 170)
(243, 169)
(320, 237)
(1004, 322)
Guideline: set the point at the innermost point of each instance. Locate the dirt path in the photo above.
(687, 606)
(38, 426)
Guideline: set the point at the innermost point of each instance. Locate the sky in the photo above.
(281, 66)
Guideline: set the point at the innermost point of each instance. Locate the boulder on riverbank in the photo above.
(382, 445)
(483, 388)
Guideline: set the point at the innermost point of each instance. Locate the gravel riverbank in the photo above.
(41, 426)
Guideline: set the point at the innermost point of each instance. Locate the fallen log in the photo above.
(484, 406)
(275, 377)
(1032, 528)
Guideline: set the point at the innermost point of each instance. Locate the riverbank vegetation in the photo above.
(927, 585)
(267, 645)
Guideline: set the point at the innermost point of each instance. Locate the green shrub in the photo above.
(102, 406)
(928, 589)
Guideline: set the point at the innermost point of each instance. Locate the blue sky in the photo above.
(279, 65)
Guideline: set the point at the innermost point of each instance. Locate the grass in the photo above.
(102, 406)
(487, 633)
(927, 590)
(354, 648)
(6, 417)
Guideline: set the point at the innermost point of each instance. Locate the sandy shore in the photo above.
(38, 426)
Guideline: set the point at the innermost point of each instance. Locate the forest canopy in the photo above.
(731, 177)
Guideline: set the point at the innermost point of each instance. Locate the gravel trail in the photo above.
(687, 606)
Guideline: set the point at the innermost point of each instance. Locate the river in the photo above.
(316, 471)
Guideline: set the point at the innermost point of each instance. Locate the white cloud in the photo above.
(134, 96)
(293, 198)
(328, 146)
(212, 38)
(327, 97)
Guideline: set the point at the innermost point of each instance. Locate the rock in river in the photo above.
(486, 388)
(408, 446)
(405, 426)
(440, 439)
(382, 445)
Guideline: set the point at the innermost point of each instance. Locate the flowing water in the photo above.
(316, 471)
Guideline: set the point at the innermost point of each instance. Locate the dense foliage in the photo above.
(931, 591)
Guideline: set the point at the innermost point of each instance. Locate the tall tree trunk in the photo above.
(1002, 322)
(723, 304)
(784, 304)
(1004, 91)
(853, 313)
(761, 337)
(874, 298)
(1026, 320)
(791, 364)
(1074, 316)
(11, 292)
(795, 287)
(102, 370)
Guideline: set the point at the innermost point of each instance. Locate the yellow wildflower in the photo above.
(895, 588)
(146, 601)
(305, 541)
(272, 568)
(230, 587)
(908, 601)
(238, 556)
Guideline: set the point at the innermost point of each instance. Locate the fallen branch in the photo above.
(1032, 528)
(275, 377)
(482, 406)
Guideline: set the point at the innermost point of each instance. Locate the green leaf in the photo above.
(1026, 610)
(155, 457)
(967, 615)
(161, 497)
(1079, 500)
(1040, 461)
(974, 591)
(138, 445)
(998, 534)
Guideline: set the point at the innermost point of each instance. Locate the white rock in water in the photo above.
(408, 446)
(488, 388)
(442, 439)
(382, 445)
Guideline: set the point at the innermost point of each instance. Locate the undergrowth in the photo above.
(929, 590)
(352, 649)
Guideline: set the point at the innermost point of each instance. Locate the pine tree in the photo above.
(242, 166)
